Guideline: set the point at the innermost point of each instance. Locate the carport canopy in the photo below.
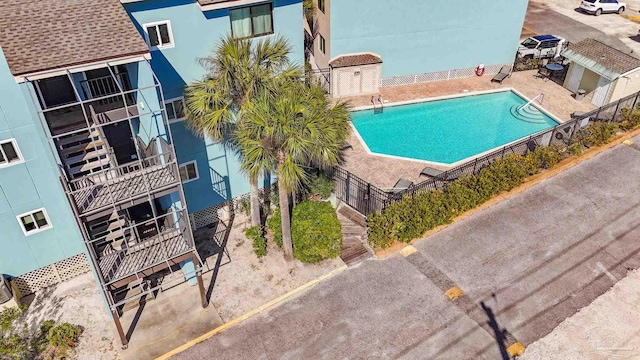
(600, 58)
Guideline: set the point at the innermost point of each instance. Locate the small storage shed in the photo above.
(597, 68)
(355, 74)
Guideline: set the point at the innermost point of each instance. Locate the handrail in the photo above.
(121, 170)
(531, 101)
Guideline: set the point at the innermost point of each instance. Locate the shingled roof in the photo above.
(49, 34)
(355, 60)
(603, 55)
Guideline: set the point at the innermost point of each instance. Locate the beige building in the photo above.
(604, 73)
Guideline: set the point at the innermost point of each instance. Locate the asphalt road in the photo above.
(524, 265)
(544, 21)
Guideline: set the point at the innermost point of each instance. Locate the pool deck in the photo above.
(383, 172)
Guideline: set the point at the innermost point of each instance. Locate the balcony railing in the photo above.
(140, 251)
(102, 189)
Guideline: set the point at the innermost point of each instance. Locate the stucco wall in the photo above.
(28, 186)
(623, 86)
(324, 29)
(195, 35)
(414, 36)
(589, 81)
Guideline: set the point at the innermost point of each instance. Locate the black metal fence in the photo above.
(358, 193)
(367, 199)
(322, 77)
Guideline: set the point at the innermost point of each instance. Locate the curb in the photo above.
(251, 313)
(530, 182)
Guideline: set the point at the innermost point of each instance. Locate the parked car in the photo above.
(542, 46)
(598, 7)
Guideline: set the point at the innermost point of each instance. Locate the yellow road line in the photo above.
(407, 250)
(454, 293)
(628, 142)
(515, 349)
(633, 17)
(250, 314)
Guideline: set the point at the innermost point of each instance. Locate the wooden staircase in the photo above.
(354, 236)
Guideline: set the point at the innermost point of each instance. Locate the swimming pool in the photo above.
(451, 130)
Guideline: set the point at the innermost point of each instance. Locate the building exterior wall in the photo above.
(589, 81)
(324, 29)
(195, 35)
(627, 85)
(415, 37)
(30, 185)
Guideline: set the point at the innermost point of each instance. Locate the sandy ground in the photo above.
(77, 301)
(612, 24)
(608, 328)
(245, 282)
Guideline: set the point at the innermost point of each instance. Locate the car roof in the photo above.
(546, 37)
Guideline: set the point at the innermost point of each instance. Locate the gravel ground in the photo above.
(245, 282)
(77, 301)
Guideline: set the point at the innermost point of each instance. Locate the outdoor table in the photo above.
(553, 69)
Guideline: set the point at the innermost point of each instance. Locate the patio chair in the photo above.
(401, 185)
(431, 172)
(504, 73)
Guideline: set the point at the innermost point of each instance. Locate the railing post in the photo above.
(616, 111)
(635, 100)
(347, 186)
(503, 150)
(475, 163)
(368, 198)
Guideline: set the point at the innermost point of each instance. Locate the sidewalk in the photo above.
(609, 328)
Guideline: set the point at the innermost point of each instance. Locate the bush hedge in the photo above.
(315, 231)
(411, 217)
(256, 235)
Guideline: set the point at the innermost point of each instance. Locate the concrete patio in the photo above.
(383, 172)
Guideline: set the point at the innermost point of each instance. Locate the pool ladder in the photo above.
(376, 109)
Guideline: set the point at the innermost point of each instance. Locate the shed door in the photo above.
(369, 83)
(576, 77)
(344, 83)
(600, 94)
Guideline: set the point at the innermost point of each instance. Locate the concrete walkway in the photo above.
(609, 328)
(523, 265)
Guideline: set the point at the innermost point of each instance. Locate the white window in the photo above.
(189, 171)
(159, 35)
(34, 221)
(323, 44)
(9, 153)
(251, 21)
(175, 109)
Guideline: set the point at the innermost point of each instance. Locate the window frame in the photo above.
(195, 166)
(323, 7)
(156, 24)
(16, 148)
(171, 101)
(31, 213)
(322, 44)
(253, 35)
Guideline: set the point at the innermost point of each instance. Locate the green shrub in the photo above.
(64, 336)
(256, 235)
(7, 317)
(544, 157)
(274, 223)
(321, 185)
(630, 118)
(315, 231)
(596, 134)
(411, 217)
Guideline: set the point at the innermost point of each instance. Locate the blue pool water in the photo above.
(447, 131)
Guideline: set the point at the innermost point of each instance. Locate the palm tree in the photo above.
(287, 131)
(237, 71)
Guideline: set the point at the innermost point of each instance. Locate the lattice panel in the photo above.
(51, 274)
(438, 76)
(72, 267)
(206, 216)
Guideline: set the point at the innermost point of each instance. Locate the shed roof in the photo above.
(355, 60)
(49, 34)
(601, 58)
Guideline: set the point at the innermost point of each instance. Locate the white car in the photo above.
(598, 7)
